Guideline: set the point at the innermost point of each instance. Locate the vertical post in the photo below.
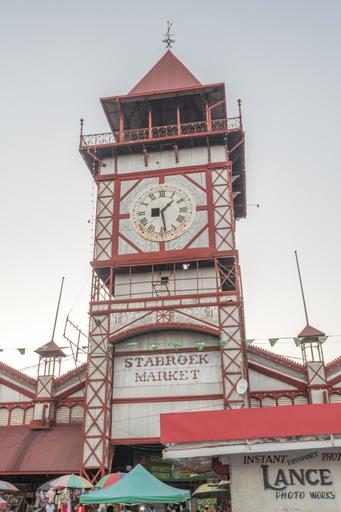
(150, 121)
(121, 123)
(208, 117)
(240, 113)
(81, 133)
(302, 291)
(56, 317)
(178, 117)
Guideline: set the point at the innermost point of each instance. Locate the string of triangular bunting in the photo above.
(298, 340)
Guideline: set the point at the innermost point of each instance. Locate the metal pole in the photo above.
(56, 317)
(302, 291)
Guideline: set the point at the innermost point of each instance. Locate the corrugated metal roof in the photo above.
(24, 451)
(168, 73)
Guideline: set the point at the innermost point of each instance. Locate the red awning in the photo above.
(24, 451)
(234, 424)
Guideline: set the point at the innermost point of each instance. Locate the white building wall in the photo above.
(143, 420)
(164, 160)
(8, 394)
(173, 367)
(260, 382)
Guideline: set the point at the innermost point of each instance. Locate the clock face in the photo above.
(163, 212)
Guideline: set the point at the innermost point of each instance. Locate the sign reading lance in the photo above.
(169, 368)
(290, 481)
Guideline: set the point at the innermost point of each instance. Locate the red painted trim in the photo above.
(135, 440)
(164, 351)
(278, 376)
(127, 260)
(68, 375)
(235, 424)
(115, 214)
(11, 405)
(45, 472)
(161, 327)
(17, 388)
(276, 357)
(210, 216)
(334, 381)
(197, 234)
(163, 399)
(165, 299)
(332, 365)
(15, 373)
(157, 173)
(133, 97)
(290, 393)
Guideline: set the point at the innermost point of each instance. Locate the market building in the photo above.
(167, 331)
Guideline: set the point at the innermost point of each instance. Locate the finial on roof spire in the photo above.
(168, 36)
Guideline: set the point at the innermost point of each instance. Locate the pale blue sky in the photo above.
(281, 58)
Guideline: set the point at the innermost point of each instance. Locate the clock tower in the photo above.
(166, 310)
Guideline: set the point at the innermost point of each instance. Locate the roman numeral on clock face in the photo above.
(162, 193)
(180, 218)
(183, 209)
(143, 221)
(181, 200)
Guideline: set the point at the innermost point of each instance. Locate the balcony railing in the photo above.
(158, 132)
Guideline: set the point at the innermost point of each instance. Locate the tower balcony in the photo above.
(155, 133)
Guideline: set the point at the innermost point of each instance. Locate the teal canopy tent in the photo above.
(138, 486)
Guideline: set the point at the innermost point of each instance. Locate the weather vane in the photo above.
(168, 36)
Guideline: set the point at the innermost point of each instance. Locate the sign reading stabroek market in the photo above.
(190, 368)
(287, 481)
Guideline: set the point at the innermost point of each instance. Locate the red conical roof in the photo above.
(167, 74)
(50, 349)
(310, 331)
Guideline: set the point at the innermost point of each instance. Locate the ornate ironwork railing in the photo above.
(158, 132)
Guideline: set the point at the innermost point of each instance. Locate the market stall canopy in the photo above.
(208, 490)
(7, 487)
(138, 486)
(71, 482)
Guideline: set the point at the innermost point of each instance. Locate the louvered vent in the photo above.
(268, 401)
(255, 402)
(284, 400)
(300, 400)
(335, 398)
(63, 415)
(4, 413)
(28, 415)
(17, 416)
(77, 414)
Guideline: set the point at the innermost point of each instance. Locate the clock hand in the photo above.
(163, 220)
(165, 208)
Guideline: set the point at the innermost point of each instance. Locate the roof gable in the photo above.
(167, 74)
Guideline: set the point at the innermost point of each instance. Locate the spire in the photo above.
(167, 74)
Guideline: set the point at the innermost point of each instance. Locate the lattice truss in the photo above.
(223, 208)
(96, 448)
(45, 386)
(232, 353)
(205, 317)
(104, 220)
